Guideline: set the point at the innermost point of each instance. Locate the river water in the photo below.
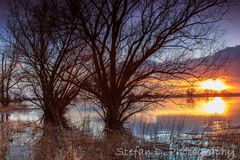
(183, 115)
(192, 114)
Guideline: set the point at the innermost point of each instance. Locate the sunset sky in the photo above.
(230, 25)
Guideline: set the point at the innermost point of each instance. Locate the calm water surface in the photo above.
(183, 116)
(191, 114)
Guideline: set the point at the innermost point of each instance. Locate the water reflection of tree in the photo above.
(4, 117)
(4, 135)
(190, 100)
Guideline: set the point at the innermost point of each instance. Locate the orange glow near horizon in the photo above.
(216, 85)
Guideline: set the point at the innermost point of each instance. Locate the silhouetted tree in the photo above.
(49, 56)
(9, 76)
(190, 91)
(136, 47)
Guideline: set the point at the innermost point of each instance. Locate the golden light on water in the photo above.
(217, 85)
(201, 107)
(214, 106)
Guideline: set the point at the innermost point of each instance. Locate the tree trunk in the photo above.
(55, 120)
(6, 102)
(113, 126)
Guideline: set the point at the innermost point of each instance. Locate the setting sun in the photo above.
(217, 85)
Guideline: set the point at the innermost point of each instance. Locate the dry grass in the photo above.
(50, 143)
(76, 145)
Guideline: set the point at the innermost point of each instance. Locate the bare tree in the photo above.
(138, 47)
(49, 56)
(9, 76)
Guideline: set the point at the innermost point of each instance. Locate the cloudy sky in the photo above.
(230, 23)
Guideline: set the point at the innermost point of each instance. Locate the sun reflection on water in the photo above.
(214, 106)
(198, 107)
